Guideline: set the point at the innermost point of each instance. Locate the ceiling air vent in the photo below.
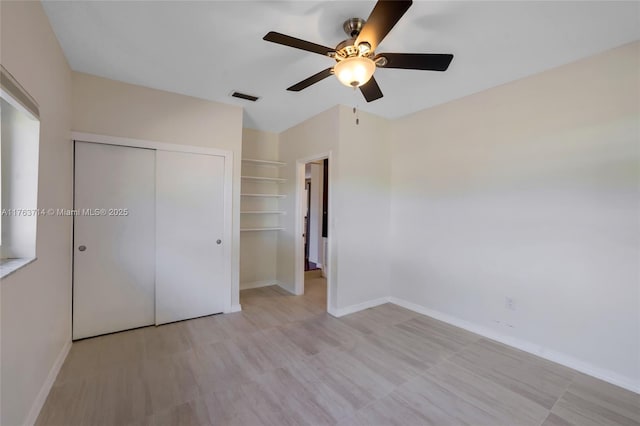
(244, 96)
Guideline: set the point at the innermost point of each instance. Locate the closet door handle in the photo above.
(82, 248)
(218, 242)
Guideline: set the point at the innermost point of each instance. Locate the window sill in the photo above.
(9, 266)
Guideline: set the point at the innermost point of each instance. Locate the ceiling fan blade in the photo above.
(286, 40)
(382, 19)
(311, 80)
(370, 90)
(417, 61)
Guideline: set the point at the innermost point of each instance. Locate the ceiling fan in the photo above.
(356, 59)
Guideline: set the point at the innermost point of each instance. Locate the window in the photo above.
(19, 144)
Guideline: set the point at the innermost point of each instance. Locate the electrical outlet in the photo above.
(510, 303)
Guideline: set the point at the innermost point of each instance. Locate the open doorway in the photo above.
(312, 249)
(315, 284)
(315, 210)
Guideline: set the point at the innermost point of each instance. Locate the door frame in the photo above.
(162, 146)
(307, 224)
(329, 263)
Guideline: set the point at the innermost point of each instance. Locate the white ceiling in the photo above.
(208, 49)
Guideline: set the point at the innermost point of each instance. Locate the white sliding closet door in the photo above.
(190, 267)
(114, 249)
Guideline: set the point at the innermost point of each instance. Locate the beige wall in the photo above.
(113, 108)
(363, 201)
(258, 250)
(260, 145)
(36, 300)
(529, 191)
(318, 135)
(359, 174)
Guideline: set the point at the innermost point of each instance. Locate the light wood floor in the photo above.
(284, 361)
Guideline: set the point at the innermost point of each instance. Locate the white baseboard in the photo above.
(535, 349)
(340, 312)
(532, 348)
(287, 289)
(257, 284)
(37, 405)
(235, 308)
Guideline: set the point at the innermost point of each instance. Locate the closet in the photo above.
(149, 237)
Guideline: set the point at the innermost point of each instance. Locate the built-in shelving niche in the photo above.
(259, 206)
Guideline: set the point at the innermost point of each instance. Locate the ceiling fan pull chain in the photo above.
(355, 112)
(355, 106)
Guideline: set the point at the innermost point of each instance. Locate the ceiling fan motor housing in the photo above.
(353, 26)
(347, 48)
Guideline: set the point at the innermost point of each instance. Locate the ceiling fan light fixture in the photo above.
(355, 57)
(354, 71)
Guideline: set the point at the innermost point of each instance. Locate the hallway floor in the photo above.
(284, 361)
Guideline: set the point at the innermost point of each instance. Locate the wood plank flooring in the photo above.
(284, 361)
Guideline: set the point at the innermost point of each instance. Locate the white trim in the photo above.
(12, 91)
(299, 225)
(37, 405)
(227, 232)
(234, 308)
(298, 275)
(257, 162)
(8, 97)
(228, 184)
(142, 143)
(9, 266)
(257, 284)
(347, 310)
(532, 348)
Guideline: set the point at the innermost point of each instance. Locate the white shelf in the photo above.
(263, 212)
(264, 162)
(257, 227)
(263, 178)
(264, 195)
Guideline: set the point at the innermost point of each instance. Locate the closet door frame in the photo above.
(228, 187)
